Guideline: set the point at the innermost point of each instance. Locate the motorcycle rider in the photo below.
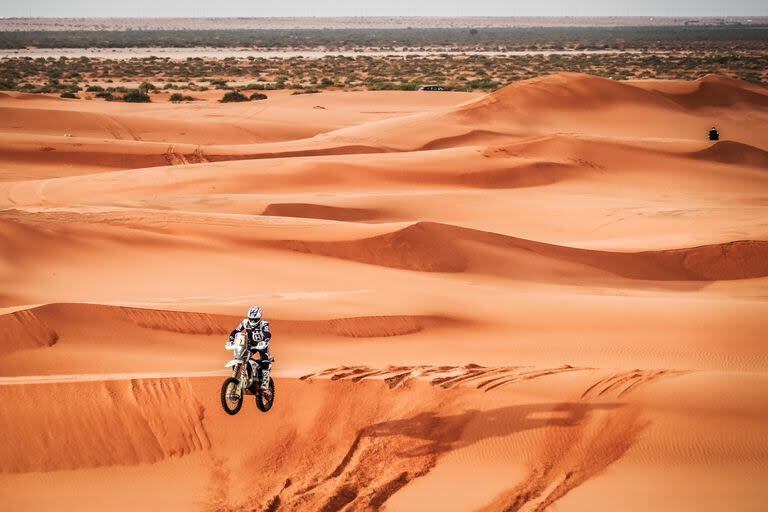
(256, 330)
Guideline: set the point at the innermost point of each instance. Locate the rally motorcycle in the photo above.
(246, 378)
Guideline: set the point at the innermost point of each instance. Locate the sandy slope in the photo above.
(550, 297)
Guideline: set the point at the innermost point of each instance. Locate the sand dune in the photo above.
(75, 330)
(442, 248)
(35, 323)
(24, 330)
(570, 91)
(401, 444)
(595, 105)
(731, 152)
(156, 418)
(540, 296)
(318, 211)
(710, 91)
(55, 156)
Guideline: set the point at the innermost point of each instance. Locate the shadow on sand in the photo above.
(445, 433)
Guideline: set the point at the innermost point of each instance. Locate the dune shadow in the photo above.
(443, 433)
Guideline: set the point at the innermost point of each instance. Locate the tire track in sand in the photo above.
(570, 456)
(620, 384)
(446, 377)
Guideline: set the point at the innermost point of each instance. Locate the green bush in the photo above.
(94, 88)
(68, 94)
(146, 86)
(234, 96)
(136, 96)
(258, 96)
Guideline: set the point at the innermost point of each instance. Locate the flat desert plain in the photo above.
(551, 297)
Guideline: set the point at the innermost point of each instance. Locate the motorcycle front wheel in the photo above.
(266, 397)
(231, 397)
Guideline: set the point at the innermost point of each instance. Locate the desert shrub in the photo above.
(68, 94)
(252, 87)
(94, 88)
(106, 95)
(136, 96)
(177, 97)
(258, 96)
(259, 87)
(234, 96)
(146, 86)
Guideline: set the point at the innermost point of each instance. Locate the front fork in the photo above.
(240, 372)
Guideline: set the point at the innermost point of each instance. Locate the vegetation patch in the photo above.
(234, 96)
(136, 96)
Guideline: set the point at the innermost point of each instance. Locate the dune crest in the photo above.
(570, 91)
(718, 91)
(35, 328)
(319, 211)
(734, 153)
(23, 330)
(156, 419)
(433, 247)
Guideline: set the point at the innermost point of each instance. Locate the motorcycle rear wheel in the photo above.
(265, 398)
(231, 404)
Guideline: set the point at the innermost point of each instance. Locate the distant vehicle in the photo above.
(431, 88)
(714, 134)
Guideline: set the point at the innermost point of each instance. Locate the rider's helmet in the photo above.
(254, 316)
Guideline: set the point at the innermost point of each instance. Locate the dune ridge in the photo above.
(563, 91)
(30, 328)
(734, 153)
(23, 330)
(156, 419)
(382, 326)
(718, 91)
(433, 247)
(177, 321)
(580, 91)
(320, 211)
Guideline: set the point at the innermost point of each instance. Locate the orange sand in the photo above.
(552, 297)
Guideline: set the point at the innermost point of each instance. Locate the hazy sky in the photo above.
(255, 8)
